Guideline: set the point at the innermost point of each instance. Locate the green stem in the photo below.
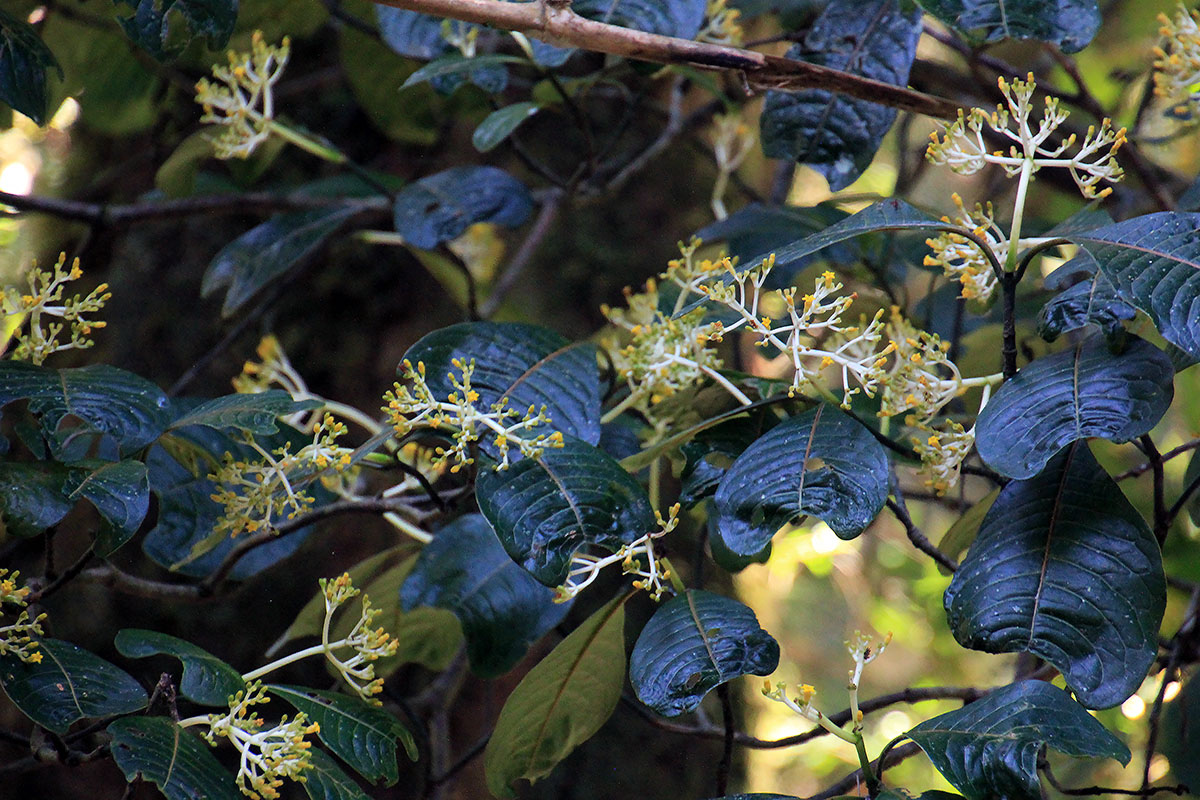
(619, 408)
(316, 649)
(1014, 233)
(307, 143)
(673, 576)
(864, 761)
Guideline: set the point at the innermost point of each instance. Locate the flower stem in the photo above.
(1014, 233)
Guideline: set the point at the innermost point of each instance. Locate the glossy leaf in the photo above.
(524, 364)
(709, 455)
(1090, 299)
(206, 678)
(254, 413)
(153, 23)
(441, 207)
(68, 685)
(129, 408)
(499, 125)
(990, 748)
(31, 497)
(820, 463)
(1075, 394)
(119, 490)
(694, 643)
(179, 763)
(560, 703)
(24, 59)
(1154, 262)
(362, 735)
(1069, 24)
(325, 780)
(834, 134)
(546, 508)
(266, 252)
(502, 608)
(1065, 568)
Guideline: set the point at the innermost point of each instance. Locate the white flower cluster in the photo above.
(649, 574)
(43, 304)
(367, 644)
(241, 100)
(961, 258)
(1177, 66)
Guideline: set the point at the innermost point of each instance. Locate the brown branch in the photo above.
(915, 535)
(1145, 467)
(556, 23)
(512, 273)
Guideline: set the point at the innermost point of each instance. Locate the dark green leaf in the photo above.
(1154, 261)
(989, 748)
(502, 607)
(326, 780)
(821, 463)
(545, 508)
(1091, 299)
(68, 685)
(497, 126)
(725, 558)
(266, 252)
(694, 643)
(834, 134)
(107, 400)
(362, 735)
(253, 413)
(524, 365)
(31, 497)
(180, 764)
(964, 530)
(709, 455)
(1079, 393)
(206, 678)
(120, 491)
(413, 34)
(560, 703)
(153, 23)
(1070, 24)
(679, 18)
(451, 70)
(441, 207)
(23, 62)
(1065, 568)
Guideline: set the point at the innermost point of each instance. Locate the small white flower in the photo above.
(1177, 67)
(244, 105)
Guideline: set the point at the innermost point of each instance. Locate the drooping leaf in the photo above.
(153, 23)
(325, 780)
(821, 463)
(362, 735)
(709, 455)
(440, 207)
(119, 490)
(105, 399)
(502, 608)
(1154, 261)
(1091, 299)
(1082, 392)
(523, 365)
(990, 748)
(206, 678)
(253, 413)
(266, 252)
(24, 59)
(448, 72)
(694, 643)
(560, 703)
(1069, 24)
(499, 125)
(181, 765)
(68, 685)
(31, 497)
(547, 507)
(834, 134)
(1065, 568)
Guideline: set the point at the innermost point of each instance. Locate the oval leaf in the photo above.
(990, 748)
(325, 780)
(441, 207)
(181, 765)
(206, 678)
(694, 643)
(499, 125)
(363, 736)
(1070, 24)
(24, 59)
(821, 463)
(68, 685)
(31, 497)
(1065, 568)
(120, 491)
(1079, 393)
(1091, 300)
(546, 508)
(502, 608)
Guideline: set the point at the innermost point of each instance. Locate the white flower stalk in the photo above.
(636, 558)
(367, 644)
(942, 451)
(1177, 66)
(413, 405)
(733, 140)
(267, 755)
(862, 653)
(37, 310)
(17, 637)
(242, 99)
(961, 259)
(962, 147)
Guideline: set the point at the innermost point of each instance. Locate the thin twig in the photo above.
(915, 535)
(537, 234)
(726, 763)
(69, 574)
(1146, 466)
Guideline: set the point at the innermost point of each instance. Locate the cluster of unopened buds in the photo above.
(17, 637)
(241, 100)
(961, 258)
(413, 403)
(636, 558)
(29, 317)
(1177, 63)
